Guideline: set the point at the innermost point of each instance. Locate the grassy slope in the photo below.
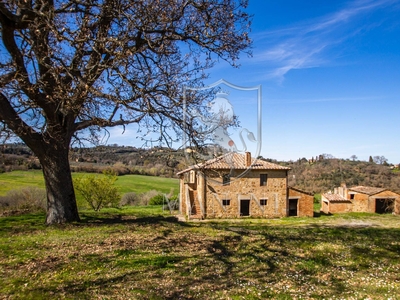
(126, 183)
(20, 179)
(139, 253)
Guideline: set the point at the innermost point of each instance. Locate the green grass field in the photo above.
(144, 253)
(126, 183)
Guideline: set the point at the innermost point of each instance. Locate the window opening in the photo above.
(226, 179)
(226, 202)
(263, 179)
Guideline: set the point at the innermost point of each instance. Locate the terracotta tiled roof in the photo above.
(236, 161)
(367, 190)
(334, 197)
(300, 191)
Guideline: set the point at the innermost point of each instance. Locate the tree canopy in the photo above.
(70, 68)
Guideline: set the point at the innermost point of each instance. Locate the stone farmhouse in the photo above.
(360, 199)
(236, 185)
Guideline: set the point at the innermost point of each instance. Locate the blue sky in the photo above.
(330, 77)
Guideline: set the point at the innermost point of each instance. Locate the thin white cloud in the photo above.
(303, 46)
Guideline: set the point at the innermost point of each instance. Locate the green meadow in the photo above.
(126, 183)
(145, 253)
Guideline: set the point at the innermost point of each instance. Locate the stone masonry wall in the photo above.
(247, 188)
(362, 204)
(305, 203)
(340, 207)
(387, 194)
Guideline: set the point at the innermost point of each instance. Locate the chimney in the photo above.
(248, 159)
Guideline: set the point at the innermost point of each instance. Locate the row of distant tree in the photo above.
(378, 159)
(319, 174)
(324, 175)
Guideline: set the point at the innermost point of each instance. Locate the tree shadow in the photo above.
(126, 219)
(318, 214)
(227, 256)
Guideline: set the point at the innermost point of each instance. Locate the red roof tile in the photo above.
(367, 190)
(236, 161)
(334, 197)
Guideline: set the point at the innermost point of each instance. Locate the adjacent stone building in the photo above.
(236, 185)
(360, 199)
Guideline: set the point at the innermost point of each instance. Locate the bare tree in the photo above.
(69, 68)
(380, 160)
(327, 156)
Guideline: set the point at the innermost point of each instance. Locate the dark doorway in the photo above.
(193, 208)
(293, 207)
(384, 206)
(244, 208)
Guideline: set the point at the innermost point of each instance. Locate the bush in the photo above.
(145, 197)
(172, 203)
(157, 200)
(98, 191)
(130, 199)
(28, 199)
(151, 197)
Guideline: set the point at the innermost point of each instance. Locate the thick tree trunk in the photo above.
(61, 201)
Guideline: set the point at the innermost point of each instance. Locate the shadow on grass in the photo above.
(318, 214)
(22, 223)
(111, 219)
(222, 257)
(35, 222)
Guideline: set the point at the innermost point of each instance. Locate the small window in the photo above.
(190, 177)
(263, 202)
(226, 202)
(263, 179)
(351, 196)
(226, 179)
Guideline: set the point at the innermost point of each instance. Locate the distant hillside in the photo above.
(122, 159)
(156, 161)
(314, 176)
(324, 175)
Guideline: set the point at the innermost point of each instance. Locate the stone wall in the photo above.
(361, 203)
(305, 202)
(324, 206)
(242, 195)
(340, 207)
(387, 195)
(366, 203)
(264, 201)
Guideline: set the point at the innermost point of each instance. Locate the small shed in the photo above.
(335, 203)
(361, 199)
(374, 200)
(300, 203)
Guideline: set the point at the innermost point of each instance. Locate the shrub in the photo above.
(172, 203)
(28, 199)
(157, 200)
(120, 168)
(98, 191)
(317, 198)
(130, 199)
(145, 197)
